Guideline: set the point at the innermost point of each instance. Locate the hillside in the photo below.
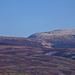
(32, 60)
(18, 41)
(47, 53)
(56, 39)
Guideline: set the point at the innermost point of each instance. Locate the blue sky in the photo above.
(21, 18)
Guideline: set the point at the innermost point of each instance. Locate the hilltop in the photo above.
(56, 39)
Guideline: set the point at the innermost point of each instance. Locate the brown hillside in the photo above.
(56, 39)
(32, 60)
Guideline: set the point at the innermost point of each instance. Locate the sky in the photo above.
(21, 18)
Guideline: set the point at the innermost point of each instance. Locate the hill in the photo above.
(47, 53)
(18, 41)
(56, 39)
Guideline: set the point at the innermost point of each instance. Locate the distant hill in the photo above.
(53, 39)
(57, 39)
(18, 41)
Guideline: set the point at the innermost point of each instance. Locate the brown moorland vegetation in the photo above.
(51, 55)
(33, 60)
